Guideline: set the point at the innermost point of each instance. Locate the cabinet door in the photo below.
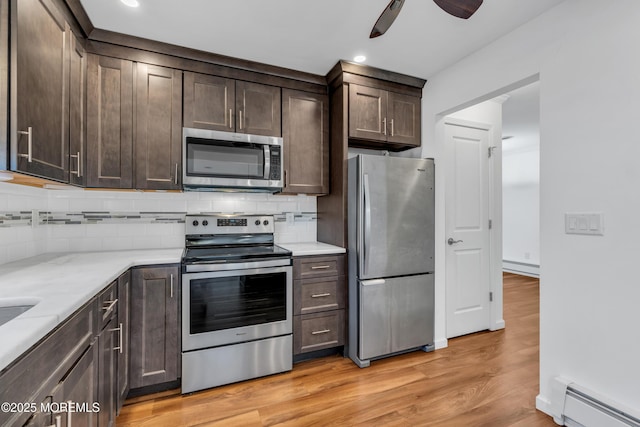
(367, 113)
(107, 376)
(158, 128)
(404, 119)
(209, 102)
(124, 299)
(42, 97)
(258, 109)
(305, 130)
(155, 338)
(81, 386)
(109, 122)
(77, 86)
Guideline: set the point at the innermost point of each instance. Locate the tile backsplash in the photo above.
(34, 220)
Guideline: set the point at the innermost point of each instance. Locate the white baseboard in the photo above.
(500, 324)
(543, 405)
(441, 343)
(531, 270)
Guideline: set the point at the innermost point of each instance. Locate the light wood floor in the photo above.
(483, 379)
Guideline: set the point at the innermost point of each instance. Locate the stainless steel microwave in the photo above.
(227, 161)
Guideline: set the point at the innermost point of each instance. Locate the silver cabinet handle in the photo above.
(453, 242)
(324, 331)
(320, 267)
(171, 286)
(240, 113)
(29, 133)
(327, 294)
(121, 333)
(384, 126)
(109, 307)
(175, 177)
(77, 171)
(58, 421)
(230, 118)
(391, 127)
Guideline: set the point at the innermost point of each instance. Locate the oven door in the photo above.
(226, 307)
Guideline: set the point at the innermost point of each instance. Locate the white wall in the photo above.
(22, 240)
(521, 205)
(584, 52)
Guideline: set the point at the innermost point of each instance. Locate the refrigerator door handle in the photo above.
(367, 222)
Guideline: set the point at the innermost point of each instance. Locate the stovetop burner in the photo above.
(219, 239)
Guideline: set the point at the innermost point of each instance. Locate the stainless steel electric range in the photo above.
(236, 301)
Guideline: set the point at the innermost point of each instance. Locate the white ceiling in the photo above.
(312, 35)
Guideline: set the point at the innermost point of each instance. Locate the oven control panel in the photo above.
(228, 224)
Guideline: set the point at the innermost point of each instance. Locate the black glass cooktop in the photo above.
(232, 254)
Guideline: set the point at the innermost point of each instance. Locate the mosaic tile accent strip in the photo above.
(16, 219)
(70, 218)
(25, 218)
(297, 216)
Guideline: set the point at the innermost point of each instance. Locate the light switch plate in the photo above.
(587, 223)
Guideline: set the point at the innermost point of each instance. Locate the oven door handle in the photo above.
(267, 161)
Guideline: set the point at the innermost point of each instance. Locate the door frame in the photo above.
(496, 320)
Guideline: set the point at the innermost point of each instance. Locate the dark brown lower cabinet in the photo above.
(123, 344)
(155, 327)
(107, 376)
(319, 295)
(60, 368)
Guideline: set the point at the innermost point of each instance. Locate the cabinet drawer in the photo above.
(318, 266)
(314, 295)
(318, 331)
(107, 304)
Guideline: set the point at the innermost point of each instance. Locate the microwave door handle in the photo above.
(267, 161)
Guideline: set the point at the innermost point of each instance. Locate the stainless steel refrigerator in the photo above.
(391, 256)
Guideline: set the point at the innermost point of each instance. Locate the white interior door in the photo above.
(468, 270)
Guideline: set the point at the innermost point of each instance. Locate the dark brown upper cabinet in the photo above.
(158, 136)
(44, 61)
(109, 122)
(384, 116)
(219, 103)
(77, 112)
(305, 130)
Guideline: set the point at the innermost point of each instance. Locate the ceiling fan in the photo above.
(458, 8)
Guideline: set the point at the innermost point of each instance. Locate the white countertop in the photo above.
(62, 282)
(312, 248)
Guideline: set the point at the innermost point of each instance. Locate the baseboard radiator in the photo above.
(575, 406)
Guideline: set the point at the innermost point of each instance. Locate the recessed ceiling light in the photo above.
(131, 3)
(360, 58)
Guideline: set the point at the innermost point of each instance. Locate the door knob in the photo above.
(453, 242)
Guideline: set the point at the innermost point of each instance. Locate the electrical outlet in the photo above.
(290, 218)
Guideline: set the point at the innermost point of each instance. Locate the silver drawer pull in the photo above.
(324, 331)
(109, 307)
(320, 267)
(58, 421)
(321, 295)
(121, 332)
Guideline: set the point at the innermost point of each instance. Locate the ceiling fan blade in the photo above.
(459, 8)
(389, 14)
